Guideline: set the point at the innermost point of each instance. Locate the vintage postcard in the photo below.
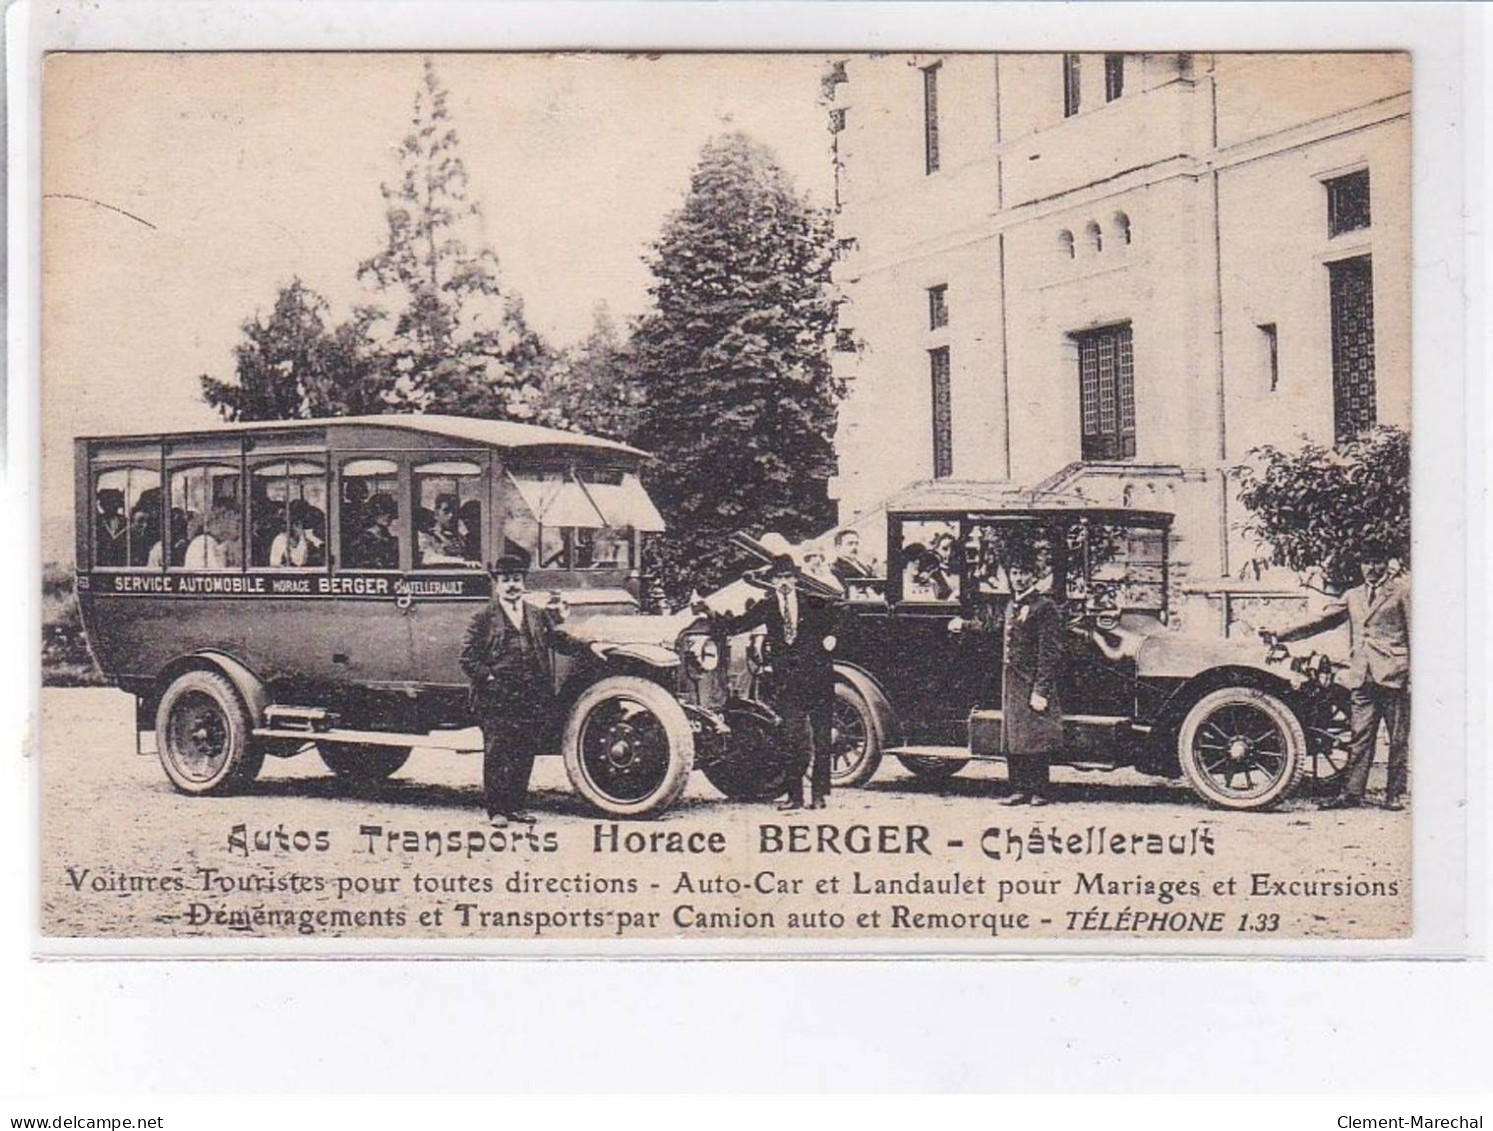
(751, 502)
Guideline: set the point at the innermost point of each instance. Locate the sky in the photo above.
(182, 191)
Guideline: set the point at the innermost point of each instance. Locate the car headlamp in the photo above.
(705, 653)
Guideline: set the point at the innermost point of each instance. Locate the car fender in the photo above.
(881, 706)
(654, 655)
(255, 695)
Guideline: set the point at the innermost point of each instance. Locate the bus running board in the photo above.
(961, 753)
(451, 740)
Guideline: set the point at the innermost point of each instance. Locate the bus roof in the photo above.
(955, 497)
(489, 433)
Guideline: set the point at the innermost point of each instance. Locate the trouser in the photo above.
(806, 752)
(507, 761)
(1367, 706)
(1027, 773)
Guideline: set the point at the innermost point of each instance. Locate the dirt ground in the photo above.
(303, 855)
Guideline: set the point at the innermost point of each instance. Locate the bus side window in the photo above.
(205, 527)
(127, 518)
(448, 515)
(369, 518)
(288, 515)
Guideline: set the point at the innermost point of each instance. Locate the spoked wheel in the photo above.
(1329, 734)
(628, 747)
(202, 734)
(363, 763)
(750, 767)
(1242, 748)
(855, 739)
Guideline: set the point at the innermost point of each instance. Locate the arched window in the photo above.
(448, 514)
(206, 521)
(126, 517)
(369, 517)
(1095, 236)
(1122, 227)
(1065, 244)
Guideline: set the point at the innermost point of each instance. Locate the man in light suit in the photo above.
(1378, 677)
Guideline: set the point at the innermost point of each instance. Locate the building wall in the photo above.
(1215, 168)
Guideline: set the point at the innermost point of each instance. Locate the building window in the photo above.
(1348, 203)
(1114, 77)
(1095, 236)
(1065, 244)
(943, 414)
(938, 307)
(1070, 85)
(930, 117)
(1351, 282)
(1106, 380)
(1122, 227)
(1272, 353)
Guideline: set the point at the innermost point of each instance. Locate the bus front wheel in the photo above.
(203, 735)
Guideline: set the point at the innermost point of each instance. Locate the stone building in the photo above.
(1114, 274)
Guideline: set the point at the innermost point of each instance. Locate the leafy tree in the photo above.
(594, 386)
(732, 362)
(460, 343)
(1319, 507)
(292, 365)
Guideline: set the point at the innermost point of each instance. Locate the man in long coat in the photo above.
(1032, 665)
(1378, 677)
(504, 657)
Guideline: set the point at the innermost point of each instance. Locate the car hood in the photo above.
(639, 628)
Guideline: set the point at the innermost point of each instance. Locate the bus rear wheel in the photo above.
(361, 762)
(203, 735)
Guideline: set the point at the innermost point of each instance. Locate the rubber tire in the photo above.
(870, 762)
(932, 769)
(245, 756)
(666, 709)
(749, 776)
(1280, 714)
(363, 763)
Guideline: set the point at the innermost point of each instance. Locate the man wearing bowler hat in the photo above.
(800, 625)
(504, 657)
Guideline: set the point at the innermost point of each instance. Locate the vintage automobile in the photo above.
(265, 589)
(918, 660)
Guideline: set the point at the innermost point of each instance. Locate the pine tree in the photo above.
(291, 365)
(739, 396)
(460, 343)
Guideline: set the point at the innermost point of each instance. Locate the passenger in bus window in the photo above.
(440, 538)
(377, 546)
(145, 526)
(301, 545)
(215, 546)
(111, 531)
(470, 515)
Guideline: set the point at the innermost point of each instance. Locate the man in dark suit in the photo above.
(1377, 614)
(1032, 664)
(504, 657)
(847, 565)
(800, 641)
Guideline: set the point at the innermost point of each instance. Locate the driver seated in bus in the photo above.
(376, 545)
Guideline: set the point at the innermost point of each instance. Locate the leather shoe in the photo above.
(790, 803)
(1339, 803)
(519, 817)
(1016, 799)
(819, 803)
(1395, 806)
(497, 820)
(1036, 799)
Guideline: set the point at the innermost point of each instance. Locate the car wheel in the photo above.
(932, 769)
(855, 739)
(203, 735)
(749, 766)
(1241, 748)
(628, 747)
(363, 763)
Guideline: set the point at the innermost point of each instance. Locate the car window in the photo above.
(931, 561)
(370, 519)
(448, 515)
(288, 515)
(205, 525)
(126, 517)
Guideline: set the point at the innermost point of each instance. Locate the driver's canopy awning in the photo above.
(564, 501)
